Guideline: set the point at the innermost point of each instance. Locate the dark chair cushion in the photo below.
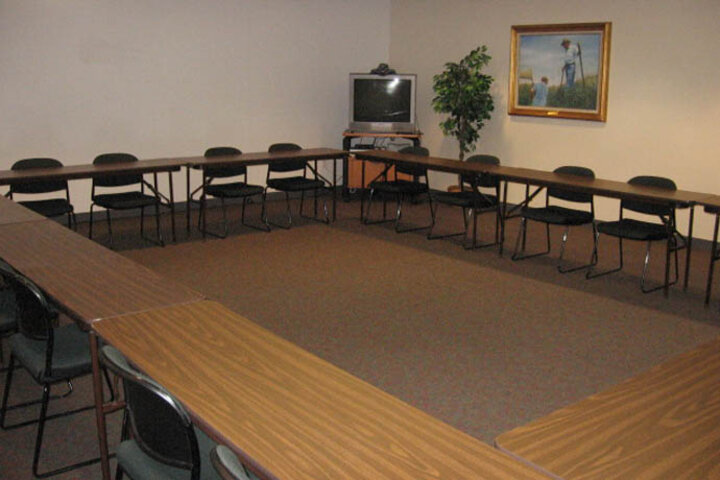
(124, 200)
(712, 210)
(634, 229)
(8, 320)
(294, 184)
(49, 208)
(233, 190)
(71, 354)
(399, 186)
(140, 466)
(464, 199)
(556, 215)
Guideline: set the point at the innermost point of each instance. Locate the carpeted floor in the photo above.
(473, 338)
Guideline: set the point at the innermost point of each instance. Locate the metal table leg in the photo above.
(99, 407)
(689, 247)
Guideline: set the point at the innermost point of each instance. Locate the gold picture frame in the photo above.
(560, 70)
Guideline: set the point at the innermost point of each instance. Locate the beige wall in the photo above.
(664, 94)
(172, 77)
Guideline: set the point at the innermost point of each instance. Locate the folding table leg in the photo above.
(689, 247)
(99, 407)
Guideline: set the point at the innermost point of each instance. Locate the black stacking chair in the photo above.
(53, 207)
(714, 255)
(125, 200)
(299, 182)
(473, 201)
(226, 191)
(559, 215)
(228, 466)
(401, 189)
(50, 354)
(164, 443)
(645, 231)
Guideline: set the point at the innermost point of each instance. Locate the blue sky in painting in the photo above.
(543, 53)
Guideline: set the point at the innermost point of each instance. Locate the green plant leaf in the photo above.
(463, 92)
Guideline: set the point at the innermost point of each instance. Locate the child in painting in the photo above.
(539, 92)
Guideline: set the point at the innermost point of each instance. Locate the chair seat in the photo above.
(464, 199)
(49, 208)
(233, 190)
(294, 184)
(634, 229)
(556, 215)
(124, 200)
(71, 354)
(140, 466)
(399, 186)
(8, 320)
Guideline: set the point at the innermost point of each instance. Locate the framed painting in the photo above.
(560, 71)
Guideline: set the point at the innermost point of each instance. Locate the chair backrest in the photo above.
(484, 179)
(414, 170)
(286, 166)
(34, 315)
(223, 171)
(116, 180)
(160, 424)
(569, 195)
(650, 208)
(8, 307)
(227, 465)
(45, 186)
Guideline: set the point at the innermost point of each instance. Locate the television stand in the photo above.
(351, 165)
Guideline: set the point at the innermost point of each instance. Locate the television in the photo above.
(382, 103)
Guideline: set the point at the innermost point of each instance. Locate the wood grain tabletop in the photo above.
(662, 424)
(11, 212)
(84, 278)
(70, 172)
(261, 158)
(597, 186)
(289, 414)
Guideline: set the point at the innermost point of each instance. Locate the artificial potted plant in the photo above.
(463, 92)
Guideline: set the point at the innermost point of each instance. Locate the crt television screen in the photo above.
(382, 100)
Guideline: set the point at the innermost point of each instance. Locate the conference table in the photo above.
(288, 414)
(662, 424)
(173, 164)
(85, 171)
(328, 423)
(543, 179)
(88, 282)
(265, 158)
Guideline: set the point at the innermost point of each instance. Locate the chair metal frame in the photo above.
(41, 187)
(295, 166)
(48, 318)
(125, 180)
(674, 240)
(387, 186)
(227, 465)
(6, 333)
(482, 203)
(565, 195)
(114, 361)
(210, 174)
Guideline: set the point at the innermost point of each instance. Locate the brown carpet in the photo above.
(484, 343)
